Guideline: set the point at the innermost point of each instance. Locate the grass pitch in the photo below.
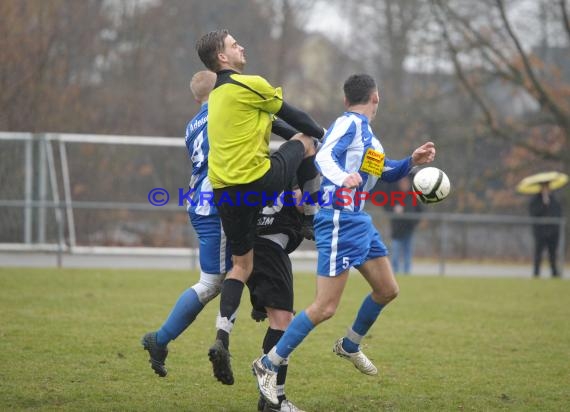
(69, 340)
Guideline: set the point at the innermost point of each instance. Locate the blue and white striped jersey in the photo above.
(346, 142)
(198, 148)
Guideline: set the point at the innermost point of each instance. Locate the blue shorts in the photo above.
(215, 254)
(344, 240)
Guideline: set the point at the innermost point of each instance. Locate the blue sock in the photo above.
(349, 345)
(367, 314)
(182, 315)
(297, 330)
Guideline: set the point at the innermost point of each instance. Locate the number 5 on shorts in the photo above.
(345, 262)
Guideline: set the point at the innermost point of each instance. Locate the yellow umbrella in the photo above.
(531, 184)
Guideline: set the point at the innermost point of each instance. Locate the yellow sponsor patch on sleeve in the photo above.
(372, 162)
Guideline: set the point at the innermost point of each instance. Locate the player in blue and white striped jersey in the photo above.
(351, 159)
(215, 255)
(346, 144)
(198, 148)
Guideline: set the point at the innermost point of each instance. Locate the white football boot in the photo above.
(358, 359)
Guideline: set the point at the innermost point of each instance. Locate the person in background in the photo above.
(403, 227)
(546, 235)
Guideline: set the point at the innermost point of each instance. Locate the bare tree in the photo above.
(489, 52)
(50, 53)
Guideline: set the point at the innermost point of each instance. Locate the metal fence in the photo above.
(88, 194)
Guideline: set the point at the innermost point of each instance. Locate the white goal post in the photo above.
(84, 194)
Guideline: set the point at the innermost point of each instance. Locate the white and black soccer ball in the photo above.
(433, 184)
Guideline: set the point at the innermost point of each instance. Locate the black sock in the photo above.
(309, 182)
(229, 303)
(281, 377)
(306, 172)
(224, 337)
(270, 340)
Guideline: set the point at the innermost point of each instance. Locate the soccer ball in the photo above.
(433, 183)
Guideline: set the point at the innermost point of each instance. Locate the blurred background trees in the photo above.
(488, 81)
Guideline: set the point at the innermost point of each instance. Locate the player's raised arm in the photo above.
(300, 120)
(328, 157)
(283, 129)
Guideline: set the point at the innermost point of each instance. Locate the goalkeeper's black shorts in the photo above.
(271, 282)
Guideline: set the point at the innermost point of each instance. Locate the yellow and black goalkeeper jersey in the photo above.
(241, 109)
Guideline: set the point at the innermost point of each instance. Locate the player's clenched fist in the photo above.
(352, 180)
